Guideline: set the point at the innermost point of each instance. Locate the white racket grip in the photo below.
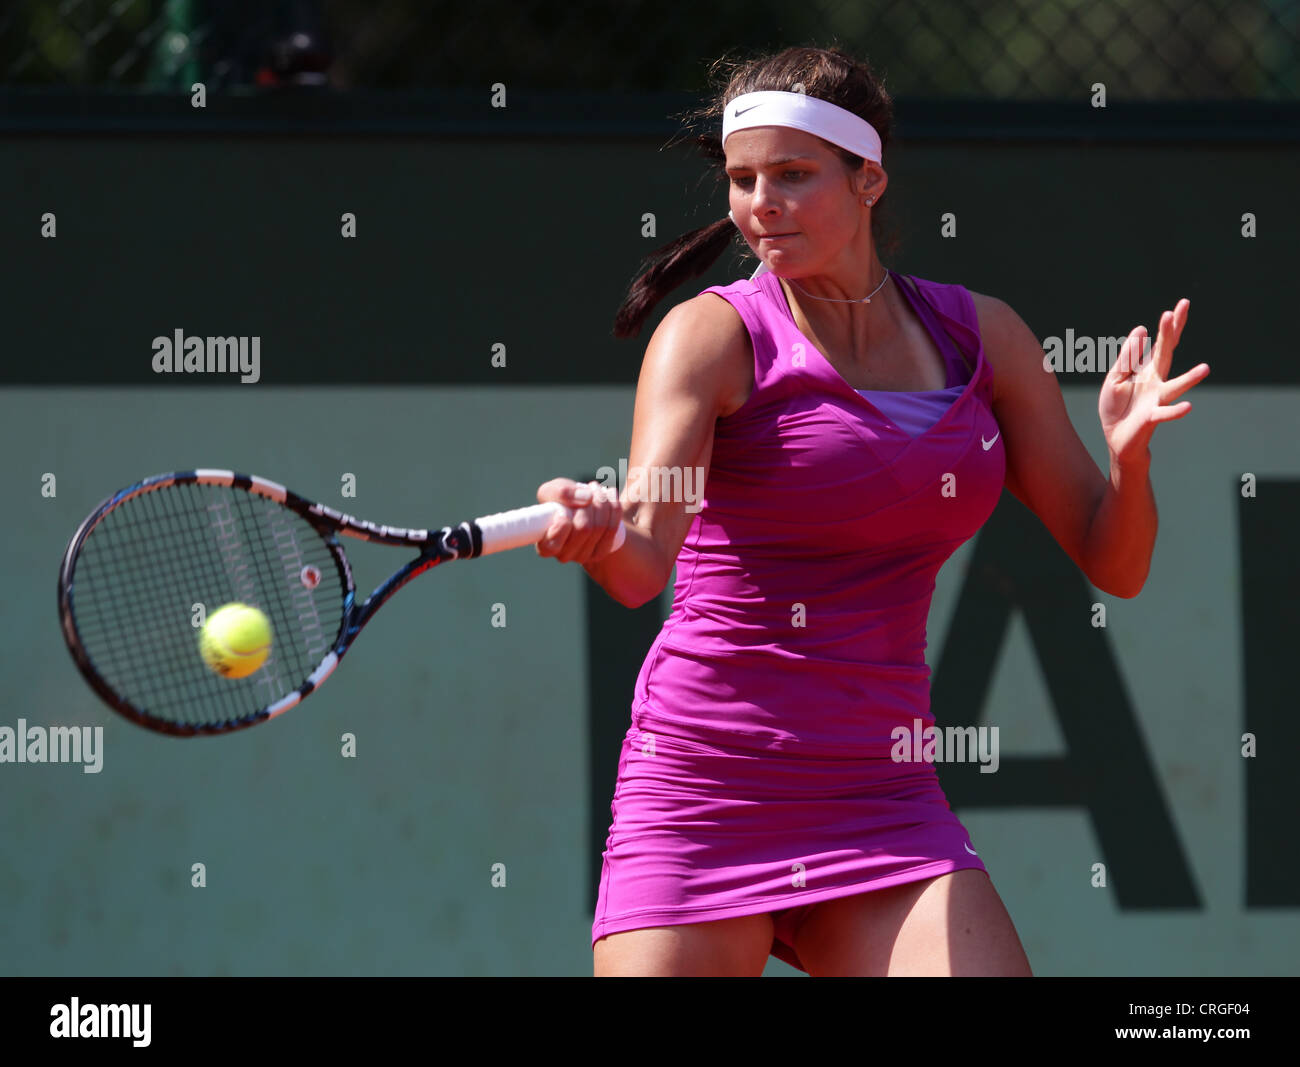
(526, 526)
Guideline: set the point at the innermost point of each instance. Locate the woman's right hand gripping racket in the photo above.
(140, 562)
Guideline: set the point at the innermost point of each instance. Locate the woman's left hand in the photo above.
(1135, 396)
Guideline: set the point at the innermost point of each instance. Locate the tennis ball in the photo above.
(235, 640)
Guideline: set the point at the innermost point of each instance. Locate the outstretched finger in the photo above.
(1168, 414)
(1171, 332)
(1176, 387)
(1128, 361)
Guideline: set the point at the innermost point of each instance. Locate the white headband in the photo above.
(802, 112)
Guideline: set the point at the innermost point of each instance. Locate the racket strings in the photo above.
(150, 561)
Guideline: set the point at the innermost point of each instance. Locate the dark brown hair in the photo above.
(826, 73)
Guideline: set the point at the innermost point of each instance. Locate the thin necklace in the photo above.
(835, 300)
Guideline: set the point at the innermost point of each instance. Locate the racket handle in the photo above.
(526, 526)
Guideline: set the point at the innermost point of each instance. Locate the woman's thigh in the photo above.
(952, 925)
(732, 948)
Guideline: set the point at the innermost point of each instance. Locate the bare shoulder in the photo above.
(705, 343)
(1010, 346)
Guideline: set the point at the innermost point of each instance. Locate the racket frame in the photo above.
(463, 541)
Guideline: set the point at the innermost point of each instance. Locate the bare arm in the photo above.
(1106, 525)
(698, 366)
(1048, 468)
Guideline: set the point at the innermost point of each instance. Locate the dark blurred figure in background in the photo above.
(277, 44)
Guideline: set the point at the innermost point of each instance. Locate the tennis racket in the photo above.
(139, 564)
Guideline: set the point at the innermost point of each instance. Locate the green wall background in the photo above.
(473, 743)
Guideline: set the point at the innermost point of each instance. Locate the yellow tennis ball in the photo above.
(235, 640)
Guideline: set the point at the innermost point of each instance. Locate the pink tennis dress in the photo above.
(757, 773)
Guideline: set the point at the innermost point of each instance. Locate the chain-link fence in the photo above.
(1026, 49)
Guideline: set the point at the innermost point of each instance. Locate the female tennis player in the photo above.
(856, 427)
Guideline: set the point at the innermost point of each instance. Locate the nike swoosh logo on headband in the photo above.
(737, 113)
